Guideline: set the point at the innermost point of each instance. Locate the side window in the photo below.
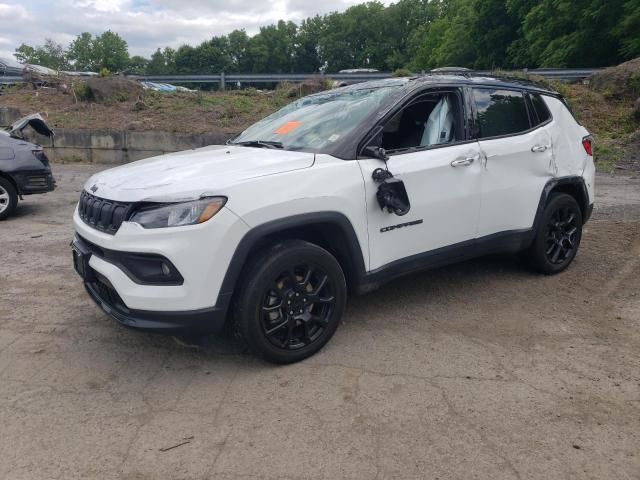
(540, 108)
(500, 112)
(427, 121)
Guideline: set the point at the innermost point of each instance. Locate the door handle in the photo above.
(539, 148)
(462, 162)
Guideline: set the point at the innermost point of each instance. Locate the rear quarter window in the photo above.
(500, 112)
(540, 109)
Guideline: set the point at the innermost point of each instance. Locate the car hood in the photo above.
(34, 121)
(193, 174)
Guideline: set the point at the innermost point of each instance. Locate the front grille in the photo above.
(101, 214)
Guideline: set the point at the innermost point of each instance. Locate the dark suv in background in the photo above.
(24, 167)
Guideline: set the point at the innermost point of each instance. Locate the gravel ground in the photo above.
(481, 370)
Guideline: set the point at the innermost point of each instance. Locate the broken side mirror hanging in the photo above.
(391, 194)
(376, 152)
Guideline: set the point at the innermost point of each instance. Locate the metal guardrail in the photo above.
(565, 74)
(223, 78)
(572, 74)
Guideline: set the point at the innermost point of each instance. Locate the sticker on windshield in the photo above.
(334, 137)
(287, 128)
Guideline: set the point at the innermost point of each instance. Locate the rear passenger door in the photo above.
(517, 159)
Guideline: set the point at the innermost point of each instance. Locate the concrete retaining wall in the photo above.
(8, 115)
(112, 146)
(119, 146)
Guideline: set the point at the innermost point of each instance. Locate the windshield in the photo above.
(316, 122)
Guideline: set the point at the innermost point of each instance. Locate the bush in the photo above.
(402, 72)
(113, 89)
(82, 92)
(104, 72)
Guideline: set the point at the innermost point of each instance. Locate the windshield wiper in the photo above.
(260, 144)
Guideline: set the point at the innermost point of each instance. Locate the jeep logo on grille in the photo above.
(94, 189)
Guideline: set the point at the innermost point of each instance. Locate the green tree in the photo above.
(494, 29)
(566, 33)
(107, 50)
(50, 55)
(356, 38)
(81, 52)
(272, 49)
(447, 40)
(137, 65)
(239, 51)
(187, 60)
(403, 19)
(25, 53)
(110, 51)
(307, 45)
(629, 30)
(162, 62)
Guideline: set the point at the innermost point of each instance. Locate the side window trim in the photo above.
(534, 120)
(462, 114)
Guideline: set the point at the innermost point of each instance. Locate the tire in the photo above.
(290, 302)
(558, 235)
(8, 198)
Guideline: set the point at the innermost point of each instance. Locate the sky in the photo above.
(147, 24)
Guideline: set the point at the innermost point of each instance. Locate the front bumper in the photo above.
(33, 182)
(200, 253)
(208, 320)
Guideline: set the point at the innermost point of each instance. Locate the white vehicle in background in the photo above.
(337, 192)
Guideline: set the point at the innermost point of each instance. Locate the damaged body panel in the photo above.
(24, 166)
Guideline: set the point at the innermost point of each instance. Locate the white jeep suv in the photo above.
(338, 191)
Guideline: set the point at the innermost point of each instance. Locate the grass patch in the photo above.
(611, 122)
(607, 117)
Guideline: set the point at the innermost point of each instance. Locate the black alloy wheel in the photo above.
(561, 235)
(297, 307)
(558, 235)
(290, 302)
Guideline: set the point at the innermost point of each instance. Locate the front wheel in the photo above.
(8, 198)
(558, 235)
(291, 301)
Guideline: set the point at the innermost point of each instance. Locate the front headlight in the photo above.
(178, 214)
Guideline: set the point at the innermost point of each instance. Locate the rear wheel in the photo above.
(8, 198)
(558, 236)
(291, 301)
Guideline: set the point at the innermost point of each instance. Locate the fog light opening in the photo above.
(165, 269)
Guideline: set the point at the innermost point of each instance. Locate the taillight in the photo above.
(40, 155)
(587, 143)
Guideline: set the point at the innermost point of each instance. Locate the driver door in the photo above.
(441, 173)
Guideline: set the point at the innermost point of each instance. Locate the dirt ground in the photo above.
(481, 370)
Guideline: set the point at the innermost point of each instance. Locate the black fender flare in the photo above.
(13, 181)
(552, 185)
(258, 233)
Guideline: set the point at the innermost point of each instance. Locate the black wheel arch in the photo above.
(11, 180)
(330, 230)
(572, 185)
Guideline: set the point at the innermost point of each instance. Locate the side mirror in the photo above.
(375, 152)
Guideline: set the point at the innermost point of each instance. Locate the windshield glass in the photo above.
(316, 122)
